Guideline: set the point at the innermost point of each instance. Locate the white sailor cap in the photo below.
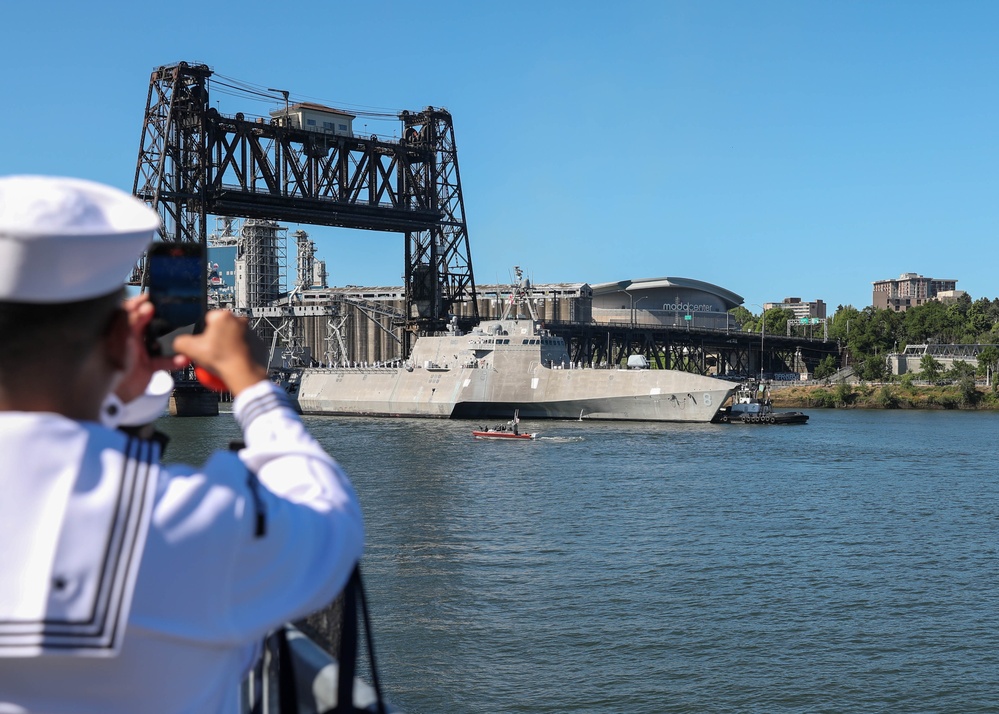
(66, 239)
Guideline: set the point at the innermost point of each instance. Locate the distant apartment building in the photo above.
(800, 309)
(910, 290)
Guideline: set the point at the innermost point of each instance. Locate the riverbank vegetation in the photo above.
(869, 335)
(887, 395)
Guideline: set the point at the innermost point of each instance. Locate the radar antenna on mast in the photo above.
(520, 294)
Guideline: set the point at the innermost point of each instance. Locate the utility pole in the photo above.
(763, 329)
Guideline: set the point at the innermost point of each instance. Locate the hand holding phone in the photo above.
(226, 351)
(178, 291)
(141, 365)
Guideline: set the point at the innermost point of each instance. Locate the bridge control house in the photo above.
(315, 117)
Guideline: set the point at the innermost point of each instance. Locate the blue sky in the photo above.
(773, 148)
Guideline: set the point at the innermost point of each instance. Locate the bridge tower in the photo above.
(195, 162)
(438, 259)
(171, 170)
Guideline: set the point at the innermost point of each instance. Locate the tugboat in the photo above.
(751, 404)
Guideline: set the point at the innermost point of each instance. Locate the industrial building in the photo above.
(357, 325)
(368, 315)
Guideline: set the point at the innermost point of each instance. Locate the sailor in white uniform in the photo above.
(126, 585)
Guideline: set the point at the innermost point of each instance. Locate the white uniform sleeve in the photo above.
(313, 532)
(312, 526)
(249, 541)
(144, 409)
(285, 457)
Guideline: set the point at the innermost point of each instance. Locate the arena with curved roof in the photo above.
(665, 301)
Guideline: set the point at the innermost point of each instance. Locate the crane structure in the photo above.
(195, 162)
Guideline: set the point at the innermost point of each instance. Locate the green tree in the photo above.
(978, 320)
(825, 367)
(929, 368)
(960, 307)
(872, 368)
(960, 370)
(964, 375)
(776, 320)
(741, 315)
(931, 322)
(969, 391)
(873, 334)
(839, 326)
(988, 359)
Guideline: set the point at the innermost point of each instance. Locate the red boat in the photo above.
(501, 434)
(510, 431)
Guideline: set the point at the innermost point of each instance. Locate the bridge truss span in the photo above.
(194, 162)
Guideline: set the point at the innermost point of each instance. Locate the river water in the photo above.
(848, 565)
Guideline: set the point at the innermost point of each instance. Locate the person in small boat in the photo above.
(128, 585)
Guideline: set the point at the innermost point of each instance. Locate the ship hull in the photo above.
(539, 393)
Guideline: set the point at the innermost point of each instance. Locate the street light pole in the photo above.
(284, 93)
(634, 304)
(763, 329)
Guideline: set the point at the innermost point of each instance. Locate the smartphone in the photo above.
(177, 284)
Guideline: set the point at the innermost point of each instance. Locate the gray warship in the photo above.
(501, 366)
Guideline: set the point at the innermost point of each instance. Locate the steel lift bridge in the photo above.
(195, 162)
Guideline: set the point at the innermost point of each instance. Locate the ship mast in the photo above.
(520, 293)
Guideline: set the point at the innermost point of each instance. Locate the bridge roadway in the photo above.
(701, 350)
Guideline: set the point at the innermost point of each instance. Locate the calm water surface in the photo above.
(849, 565)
